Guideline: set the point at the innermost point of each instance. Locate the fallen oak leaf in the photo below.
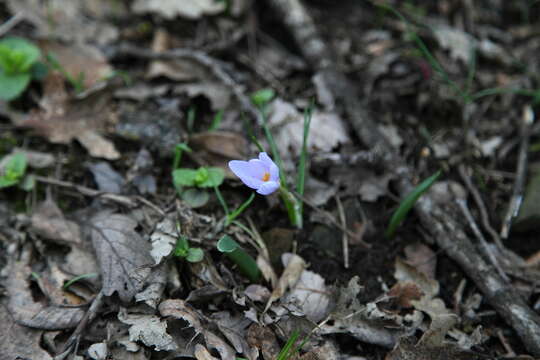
(123, 254)
(62, 119)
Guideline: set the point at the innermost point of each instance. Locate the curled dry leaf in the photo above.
(163, 239)
(28, 312)
(294, 266)
(202, 354)
(148, 329)
(327, 130)
(309, 297)
(234, 328)
(123, 255)
(365, 323)
(217, 148)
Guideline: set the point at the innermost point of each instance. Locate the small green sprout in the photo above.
(18, 65)
(406, 205)
(191, 254)
(246, 264)
(198, 180)
(262, 97)
(14, 171)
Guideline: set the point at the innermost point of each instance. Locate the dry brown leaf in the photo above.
(19, 342)
(148, 329)
(218, 94)
(77, 59)
(123, 255)
(294, 266)
(422, 258)
(48, 222)
(263, 339)
(309, 297)
(178, 69)
(28, 312)
(61, 120)
(202, 354)
(217, 148)
(77, 21)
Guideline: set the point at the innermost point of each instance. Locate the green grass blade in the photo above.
(78, 278)
(286, 353)
(240, 209)
(222, 201)
(409, 201)
(275, 152)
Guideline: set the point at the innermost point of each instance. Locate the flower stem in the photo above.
(293, 206)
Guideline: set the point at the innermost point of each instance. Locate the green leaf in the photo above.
(28, 183)
(214, 177)
(11, 86)
(17, 164)
(201, 176)
(409, 201)
(195, 255)
(5, 182)
(217, 121)
(227, 244)
(182, 247)
(39, 70)
(21, 54)
(262, 97)
(184, 177)
(195, 197)
(246, 264)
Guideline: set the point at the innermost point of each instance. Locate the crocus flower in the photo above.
(261, 174)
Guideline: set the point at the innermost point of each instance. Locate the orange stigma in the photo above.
(266, 176)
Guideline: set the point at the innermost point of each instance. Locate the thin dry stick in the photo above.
(88, 318)
(11, 23)
(344, 238)
(330, 218)
(121, 199)
(483, 243)
(481, 206)
(517, 193)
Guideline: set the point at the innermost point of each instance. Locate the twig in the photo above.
(447, 232)
(121, 199)
(517, 193)
(483, 243)
(330, 218)
(216, 66)
(481, 206)
(11, 23)
(344, 238)
(88, 317)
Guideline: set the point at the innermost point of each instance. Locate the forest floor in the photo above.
(115, 186)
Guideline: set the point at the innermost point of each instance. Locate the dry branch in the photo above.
(448, 233)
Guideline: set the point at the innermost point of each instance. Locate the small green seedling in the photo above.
(262, 97)
(198, 180)
(409, 201)
(191, 254)
(178, 152)
(18, 65)
(246, 264)
(76, 81)
(14, 170)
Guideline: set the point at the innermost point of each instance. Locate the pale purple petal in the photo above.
(274, 172)
(272, 167)
(244, 171)
(257, 168)
(268, 187)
